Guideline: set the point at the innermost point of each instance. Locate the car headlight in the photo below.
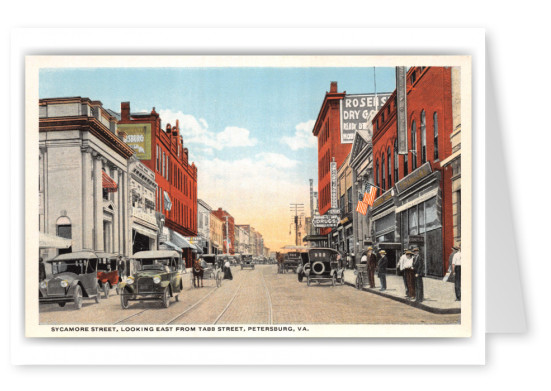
(156, 279)
(129, 280)
(64, 284)
(43, 285)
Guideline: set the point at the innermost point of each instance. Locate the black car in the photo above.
(324, 264)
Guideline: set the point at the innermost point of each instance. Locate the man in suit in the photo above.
(381, 269)
(371, 266)
(419, 270)
(456, 269)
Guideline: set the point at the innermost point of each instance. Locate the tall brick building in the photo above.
(163, 152)
(222, 214)
(415, 207)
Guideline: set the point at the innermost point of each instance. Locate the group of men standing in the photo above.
(374, 265)
(412, 267)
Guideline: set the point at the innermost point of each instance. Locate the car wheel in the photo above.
(106, 289)
(166, 298)
(62, 304)
(77, 297)
(124, 301)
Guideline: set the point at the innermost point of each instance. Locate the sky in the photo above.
(248, 130)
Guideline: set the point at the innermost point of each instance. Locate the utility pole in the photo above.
(297, 208)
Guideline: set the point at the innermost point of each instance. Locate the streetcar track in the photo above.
(193, 306)
(228, 305)
(270, 312)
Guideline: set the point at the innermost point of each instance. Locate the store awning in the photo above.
(53, 241)
(145, 231)
(179, 240)
(108, 183)
(314, 238)
(171, 245)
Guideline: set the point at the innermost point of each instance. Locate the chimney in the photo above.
(176, 129)
(168, 128)
(333, 87)
(125, 111)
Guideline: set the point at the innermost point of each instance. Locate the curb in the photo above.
(421, 306)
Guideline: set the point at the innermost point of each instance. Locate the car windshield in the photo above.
(76, 266)
(154, 264)
(323, 255)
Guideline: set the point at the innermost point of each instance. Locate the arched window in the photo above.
(377, 183)
(383, 172)
(435, 119)
(63, 227)
(396, 163)
(413, 146)
(389, 167)
(423, 137)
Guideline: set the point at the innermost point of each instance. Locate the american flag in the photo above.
(370, 197)
(361, 208)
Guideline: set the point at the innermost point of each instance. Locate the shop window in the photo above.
(349, 199)
(413, 146)
(404, 225)
(413, 221)
(421, 218)
(423, 138)
(432, 220)
(435, 121)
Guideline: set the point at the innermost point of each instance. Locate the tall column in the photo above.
(117, 212)
(98, 203)
(125, 216)
(87, 198)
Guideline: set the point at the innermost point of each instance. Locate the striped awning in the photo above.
(108, 183)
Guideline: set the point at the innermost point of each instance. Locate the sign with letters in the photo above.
(401, 110)
(355, 111)
(333, 170)
(326, 221)
(138, 137)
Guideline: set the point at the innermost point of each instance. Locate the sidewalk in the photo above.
(439, 295)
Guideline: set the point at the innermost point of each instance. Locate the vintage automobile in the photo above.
(324, 264)
(247, 261)
(158, 276)
(291, 261)
(74, 277)
(301, 266)
(108, 272)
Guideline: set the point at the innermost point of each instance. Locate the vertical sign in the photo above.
(333, 169)
(401, 110)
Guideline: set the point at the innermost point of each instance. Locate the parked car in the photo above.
(324, 265)
(74, 278)
(158, 276)
(247, 261)
(108, 272)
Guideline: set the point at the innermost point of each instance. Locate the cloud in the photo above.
(303, 137)
(276, 160)
(196, 131)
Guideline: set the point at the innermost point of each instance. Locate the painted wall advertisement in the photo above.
(355, 110)
(138, 137)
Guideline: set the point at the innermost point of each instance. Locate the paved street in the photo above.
(259, 296)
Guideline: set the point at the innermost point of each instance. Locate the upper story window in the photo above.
(377, 174)
(423, 137)
(435, 119)
(389, 167)
(413, 146)
(396, 163)
(383, 172)
(413, 77)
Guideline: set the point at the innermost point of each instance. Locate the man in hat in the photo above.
(456, 269)
(419, 270)
(371, 266)
(381, 269)
(410, 274)
(402, 269)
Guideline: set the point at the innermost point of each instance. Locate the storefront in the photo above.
(385, 233)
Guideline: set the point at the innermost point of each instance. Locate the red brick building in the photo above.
(328, 131)
(222, 214)
(415, 207)
(163, 152)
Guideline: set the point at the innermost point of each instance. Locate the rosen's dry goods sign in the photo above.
(355, 109)
(138, 137)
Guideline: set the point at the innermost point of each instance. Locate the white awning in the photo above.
(53, 241)
(179, 240)
(145, 231)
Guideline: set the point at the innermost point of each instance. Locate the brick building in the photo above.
(228, 230)
(163, 152)
(415, 207)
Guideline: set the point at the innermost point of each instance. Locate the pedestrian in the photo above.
(227, 270)
(371, 266)
(410, 275)
(41, 269)
(419, 270)
(122, 267)
(402, 271)
(456, 269)
(381, 269)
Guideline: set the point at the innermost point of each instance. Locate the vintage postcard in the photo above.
(248, 196)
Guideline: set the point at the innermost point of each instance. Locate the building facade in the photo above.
(415, 207)
(244, 232)
(228, 231)
(216, 234)
(83, 176)
(163, 152)
(203, 225)
(342, 236)
(143, 188)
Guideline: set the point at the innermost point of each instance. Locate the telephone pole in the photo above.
(298, 209)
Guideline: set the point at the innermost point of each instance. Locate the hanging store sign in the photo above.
(401, 110)
(326, 221)
(355, 112)
(333, 170)
(138, 137)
